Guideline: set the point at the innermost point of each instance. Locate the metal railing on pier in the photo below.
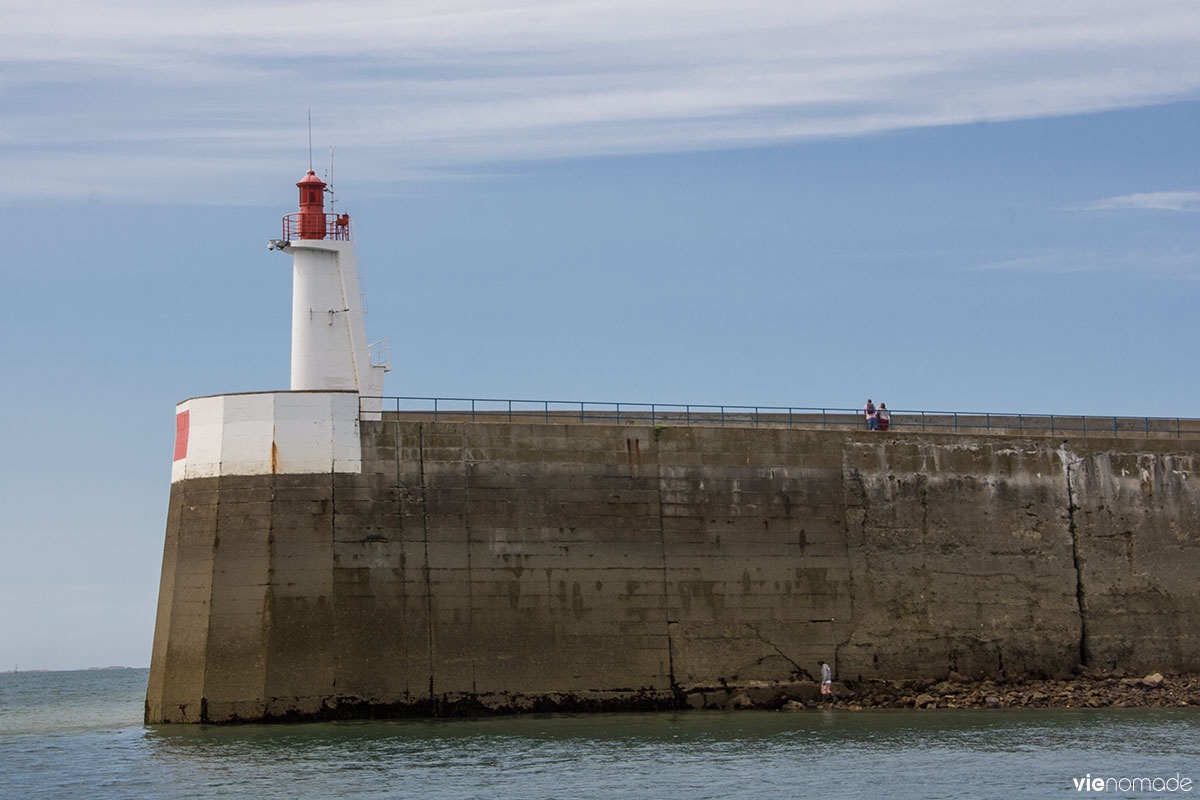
(459, 409)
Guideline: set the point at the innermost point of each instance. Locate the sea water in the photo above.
(79, 734)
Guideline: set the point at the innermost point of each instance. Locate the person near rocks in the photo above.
(884, 417)
(826, 680)
(869, 413)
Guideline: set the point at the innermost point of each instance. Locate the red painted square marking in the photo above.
(181, 434)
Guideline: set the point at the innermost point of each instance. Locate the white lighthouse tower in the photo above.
(329, 344)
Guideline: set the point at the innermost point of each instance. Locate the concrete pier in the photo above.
(494, 566)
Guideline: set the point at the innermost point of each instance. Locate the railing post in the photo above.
(756, 416)
(618, 413)
(472, 409)
(581, 412)
(1051, 424)
(1084, 426)
(1020, 423)
(652, 414)
(435, 409)
(722, 416)
(822, 419)
(545, 410)
(1114, 427)
(789, 417)
(922, 420)
(988, 421)
(510, 410)
(687, 410)
(956, 422)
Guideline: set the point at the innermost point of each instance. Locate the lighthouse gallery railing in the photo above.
(337, 226)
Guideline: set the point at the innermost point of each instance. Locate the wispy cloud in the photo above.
(464, 84)
(1154, 201)
(1151, 262)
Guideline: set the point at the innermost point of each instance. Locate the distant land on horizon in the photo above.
(17, 670)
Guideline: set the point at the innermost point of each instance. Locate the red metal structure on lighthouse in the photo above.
(312, 207)
(312, 223)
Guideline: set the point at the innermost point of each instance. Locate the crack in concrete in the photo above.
(1080, 597)
(799, 669)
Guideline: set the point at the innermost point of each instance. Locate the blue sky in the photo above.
(776, 203)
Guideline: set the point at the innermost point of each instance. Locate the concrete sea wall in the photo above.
(495, 566)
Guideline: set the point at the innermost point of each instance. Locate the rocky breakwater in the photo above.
(1088, 690)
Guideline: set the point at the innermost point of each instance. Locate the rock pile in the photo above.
(1087, 691)
(1090, 690)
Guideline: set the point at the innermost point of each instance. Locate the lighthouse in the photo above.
(329, 345)
(337, 375)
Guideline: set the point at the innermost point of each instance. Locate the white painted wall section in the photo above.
(347, 441)
(206, 418)
(329, 342)
(267, 432)
(244, 437)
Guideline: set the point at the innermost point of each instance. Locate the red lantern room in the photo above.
(312, 206)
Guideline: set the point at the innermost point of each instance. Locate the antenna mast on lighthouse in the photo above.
(329, 176)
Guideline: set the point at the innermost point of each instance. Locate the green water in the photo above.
(79, 734)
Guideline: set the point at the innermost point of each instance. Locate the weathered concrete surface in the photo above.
(478, 567)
